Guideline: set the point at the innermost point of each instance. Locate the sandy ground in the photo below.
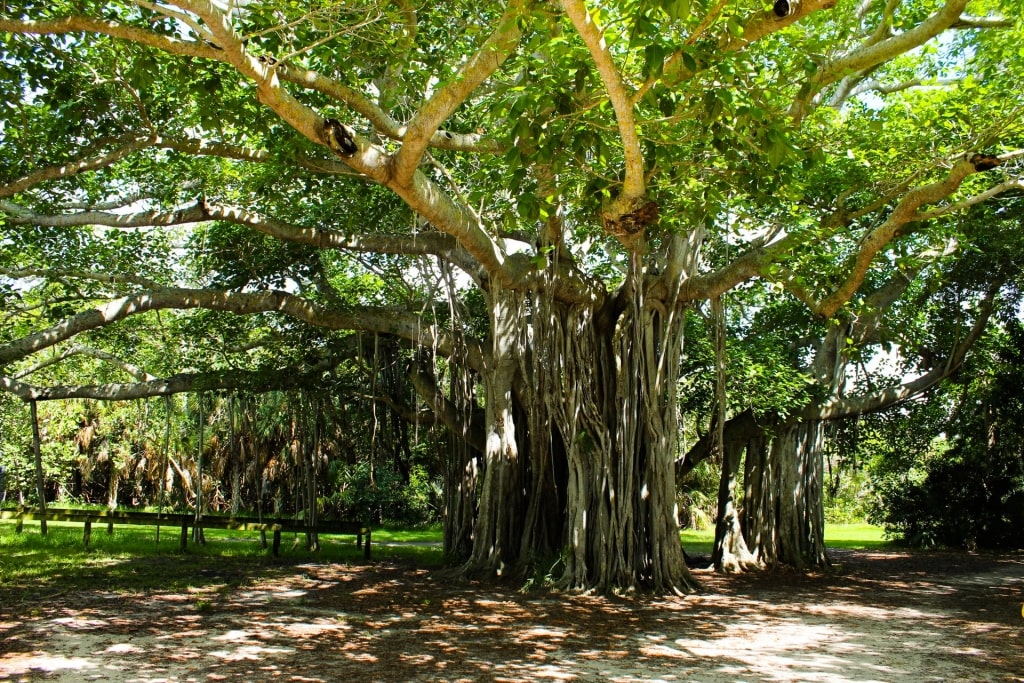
(880, 616)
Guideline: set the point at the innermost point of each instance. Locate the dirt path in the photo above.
(881, 617)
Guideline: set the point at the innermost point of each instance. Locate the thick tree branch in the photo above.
(1012, 184)
(906, 211)
(594, 38)
(99, 354)
(865, 326)
(79, 24)
(967, 23)
(875, 52)
(758, 260)
(106, 278)
(249, 381)
(72, 168)
(757, 26)
(443, 103)
(889, 88)
(381, 121)
(432, 243)
(381, 320)
(880, 400)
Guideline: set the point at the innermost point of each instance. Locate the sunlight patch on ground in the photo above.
(659, 650)
(250, 652)
(79, 623)
(124, 648)
(548, 672)
(238, 635)
(309, 630)
(603, 654)
(361, 656)
(21, 664)
(793, 650)
(786, 637)
(829, 610)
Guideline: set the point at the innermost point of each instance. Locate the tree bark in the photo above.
(197, 528)
(40, 482)
(731, 554)
(311, 450)
(498, 524)
(617, 417)
(786, 519)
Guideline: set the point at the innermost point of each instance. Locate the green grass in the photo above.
(852, 536)
(698, 541)
(431, 534)
(132, 559)
(855, 536)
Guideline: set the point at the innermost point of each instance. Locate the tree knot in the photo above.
(204, 207)
(985, 162)
(783, 8)
(339, 138)
(629, 219)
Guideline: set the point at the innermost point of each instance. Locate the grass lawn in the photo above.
(31, 557)
(60, 555)
(853, 536)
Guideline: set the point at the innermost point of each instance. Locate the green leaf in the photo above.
(676, 9)
(654, 60)
(735, 27)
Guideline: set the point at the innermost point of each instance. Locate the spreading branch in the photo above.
(443, 103)
(876, 51)
(71, 168)
(757, 26)
(859, 405)
(233, 380)
(765, 260)
(388, 321)
(618, 94)
(79, 350)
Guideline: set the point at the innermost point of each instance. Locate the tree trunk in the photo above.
(499, 521)
(38, 452)
(236, 463)
(731, 554)
(786, 516)
(617, 417)
(197, 528)
(461, 480)
(165, 472)
(312, 446)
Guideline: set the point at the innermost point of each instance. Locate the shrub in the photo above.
(972, 498)
(382, 496)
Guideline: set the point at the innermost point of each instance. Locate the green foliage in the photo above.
(849, 502)
(697, 497)
(973, 495)
(380, 495)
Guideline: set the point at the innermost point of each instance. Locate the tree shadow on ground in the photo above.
(882, 616)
